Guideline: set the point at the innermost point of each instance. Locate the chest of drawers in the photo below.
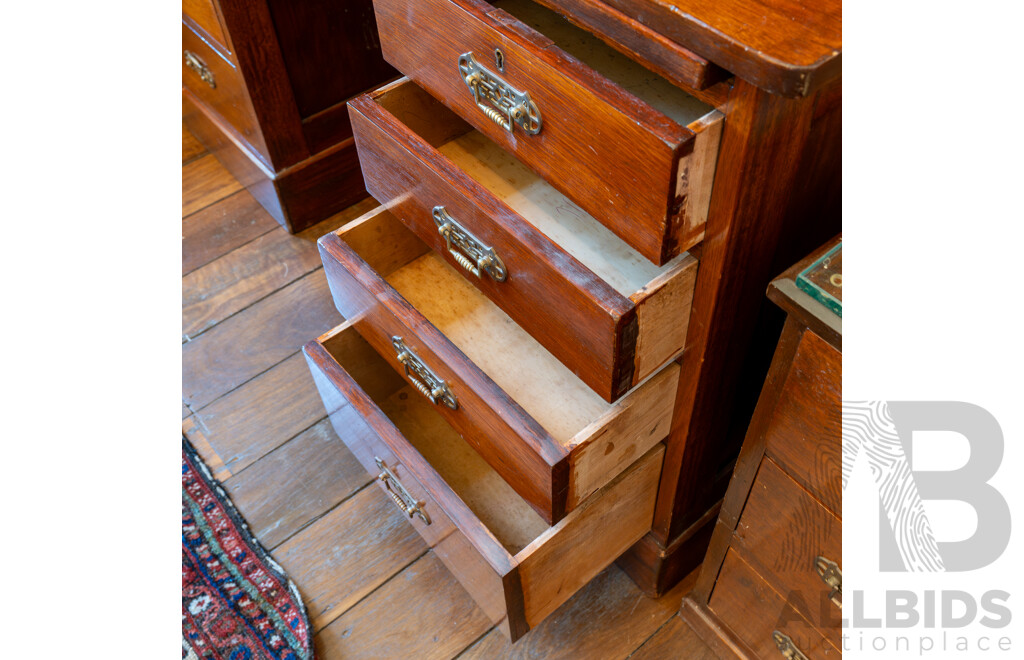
(772, 579)
(264, 86)
(549, 316)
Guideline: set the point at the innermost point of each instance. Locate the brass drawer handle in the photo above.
(786, 647)
(467, 249)
(423, 379)
(830, 574)
(505, 105)
(403, 499)
(193, 62)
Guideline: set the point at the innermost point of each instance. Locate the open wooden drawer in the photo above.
(515, 566)
(607, 313)
(634, 151)
(538, 425)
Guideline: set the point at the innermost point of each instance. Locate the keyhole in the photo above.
(499, 59)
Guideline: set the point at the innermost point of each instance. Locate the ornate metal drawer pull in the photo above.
(193, 62)
(409, 505)
(830, 574)
(786, 647)
(505, 105)
(467, 249)
(423, 379)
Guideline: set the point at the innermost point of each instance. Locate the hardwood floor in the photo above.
(251, 296)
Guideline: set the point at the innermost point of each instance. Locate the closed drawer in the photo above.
(805, 431)
(206, 17)
(634, 151)
(607, 313)
(790, 536)
(219, 85)
(760, 617)
(513, 564)
(544, 431)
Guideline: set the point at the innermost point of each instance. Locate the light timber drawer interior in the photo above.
(506, 556)
(548, 434)
(633, 150)
(599, 306)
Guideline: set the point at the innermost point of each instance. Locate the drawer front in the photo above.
(205, 15)
(596, 441)
(517, 589)
(786, 532)
(644, 176)
(754, 611)
(614, 341)
(227, 95)
(805, 432)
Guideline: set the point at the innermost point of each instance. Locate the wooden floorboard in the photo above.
(254, 340)
(296, 483)
(674, 640)
(252, 272)
(205, 181)
(252, 295)
(220, 228)
(261, 415)
(421, 613)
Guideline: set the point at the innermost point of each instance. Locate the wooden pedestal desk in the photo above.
(264, 86)
(555, 320)
(771, 584)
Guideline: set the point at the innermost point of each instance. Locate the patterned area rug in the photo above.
(236, 602)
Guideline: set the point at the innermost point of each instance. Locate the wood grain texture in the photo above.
(252, 341)
(783, 47)
(220, 228)
(675, 639)
(752, 610)
(422, 613)
(296, 483)
(233, 282)
(191, 148)
(805, 432)
(205, 15)
(261, 415)
(425, 39)
(410, 176)
(348, 553)
(229, 97)
(607, 618)
(196, 434)
(782, 530)
(203, 182)
(634, 39)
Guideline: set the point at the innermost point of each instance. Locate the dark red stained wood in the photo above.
(330, 50)
(545, 287)
(761, 151)
(587, 120)
(634, 39)
(785, 47)
(491, 422)
(229, 98)
(266, 79)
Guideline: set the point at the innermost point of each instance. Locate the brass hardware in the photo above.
(193, 62)
(786, 647)
(499, 59)
(830, 574)
(505, 105)
(422, 378)
(408, 504)
(467, 249)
